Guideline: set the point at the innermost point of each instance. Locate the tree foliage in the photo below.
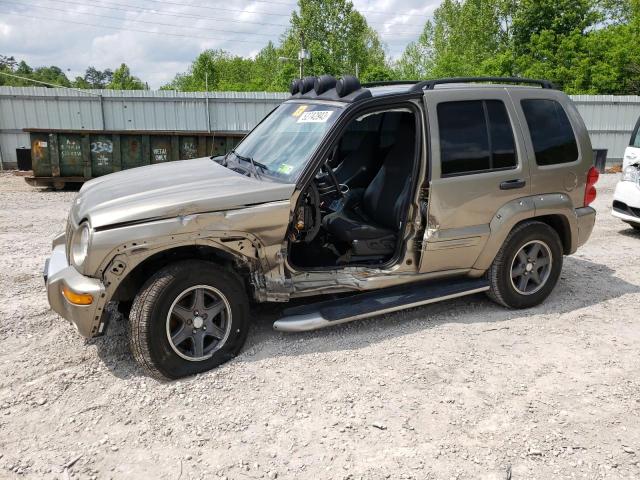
(54, 76)
(337, 36)
(123, 80)
(585, 46)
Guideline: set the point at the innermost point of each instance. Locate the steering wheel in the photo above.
(329, 171)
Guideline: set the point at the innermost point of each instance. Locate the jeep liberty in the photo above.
(381, 196)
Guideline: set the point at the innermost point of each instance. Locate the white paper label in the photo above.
(317, 116)
(42, 144)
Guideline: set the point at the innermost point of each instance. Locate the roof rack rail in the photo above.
(430, 84)
(388, 83)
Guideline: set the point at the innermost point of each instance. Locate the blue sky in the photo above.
(74, 34)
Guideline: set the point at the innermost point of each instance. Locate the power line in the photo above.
(188, 5)
(50, 84)
(138, 21)
(127, 29)
(209, 7)
(293, 6)
(124, 19)
(171, 13)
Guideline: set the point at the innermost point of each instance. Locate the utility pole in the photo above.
(301, 54)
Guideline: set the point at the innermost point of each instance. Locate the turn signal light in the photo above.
(77, 298)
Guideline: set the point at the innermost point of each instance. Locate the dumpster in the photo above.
(600, 159)
(60, 157)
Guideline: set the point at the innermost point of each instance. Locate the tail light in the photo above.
(590, 188)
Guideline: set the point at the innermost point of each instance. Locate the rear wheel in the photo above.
(527, 267)
(188, 318)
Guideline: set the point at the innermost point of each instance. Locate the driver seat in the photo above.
(370, 219)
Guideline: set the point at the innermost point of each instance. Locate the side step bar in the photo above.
(378, 302)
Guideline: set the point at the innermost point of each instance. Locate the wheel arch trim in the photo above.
(554, 209)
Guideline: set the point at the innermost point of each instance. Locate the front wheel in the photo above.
(527, 267)
(188, 318)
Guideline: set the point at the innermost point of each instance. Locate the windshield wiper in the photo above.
(254, 164)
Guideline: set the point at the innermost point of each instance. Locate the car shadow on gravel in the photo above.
(630, 232)
(583, 283)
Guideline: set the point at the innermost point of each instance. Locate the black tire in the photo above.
(503, 290)
(149, 318)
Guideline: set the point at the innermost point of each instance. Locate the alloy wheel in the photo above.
(198, 322)
(531, 267)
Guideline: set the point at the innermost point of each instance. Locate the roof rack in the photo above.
(390, 83)
(430, 84)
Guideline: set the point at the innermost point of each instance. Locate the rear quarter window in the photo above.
(551, 133)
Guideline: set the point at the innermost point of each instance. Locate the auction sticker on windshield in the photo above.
(317, 116)
(299, 110)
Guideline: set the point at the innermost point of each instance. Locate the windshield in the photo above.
(283, 143)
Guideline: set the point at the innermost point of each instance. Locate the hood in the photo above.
(169, 190)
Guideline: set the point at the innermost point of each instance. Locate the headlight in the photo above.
(631, 174)
(80, 245)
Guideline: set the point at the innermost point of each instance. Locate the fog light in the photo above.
(77, 298)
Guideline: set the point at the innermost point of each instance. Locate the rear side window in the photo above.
(475, 136)
(551, 133)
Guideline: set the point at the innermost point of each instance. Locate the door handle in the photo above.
(512, 184)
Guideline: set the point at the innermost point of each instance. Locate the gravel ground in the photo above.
(461, 389)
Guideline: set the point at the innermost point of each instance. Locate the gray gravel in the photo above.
(462, 389)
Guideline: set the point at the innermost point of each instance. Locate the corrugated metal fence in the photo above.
(120, 110)
(610, 119)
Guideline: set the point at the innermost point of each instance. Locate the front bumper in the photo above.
(59, 274)
(626, 202)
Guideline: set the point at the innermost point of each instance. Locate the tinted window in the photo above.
(475, 136)
(551, 133)
(464, 143)
(503, 146)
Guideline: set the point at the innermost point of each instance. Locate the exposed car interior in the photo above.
(352, 211)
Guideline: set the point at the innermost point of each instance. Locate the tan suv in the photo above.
(399, 193)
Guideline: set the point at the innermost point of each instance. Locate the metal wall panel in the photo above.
(63, 109)
(610, 119)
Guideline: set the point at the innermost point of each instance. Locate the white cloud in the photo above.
(183, 31)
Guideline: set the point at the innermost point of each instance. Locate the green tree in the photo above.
(7, 63)
(338, 38)
(96, 78)
(465, 38)
(585, 46)
(123, 80)
(24, 69)
(215, 70)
